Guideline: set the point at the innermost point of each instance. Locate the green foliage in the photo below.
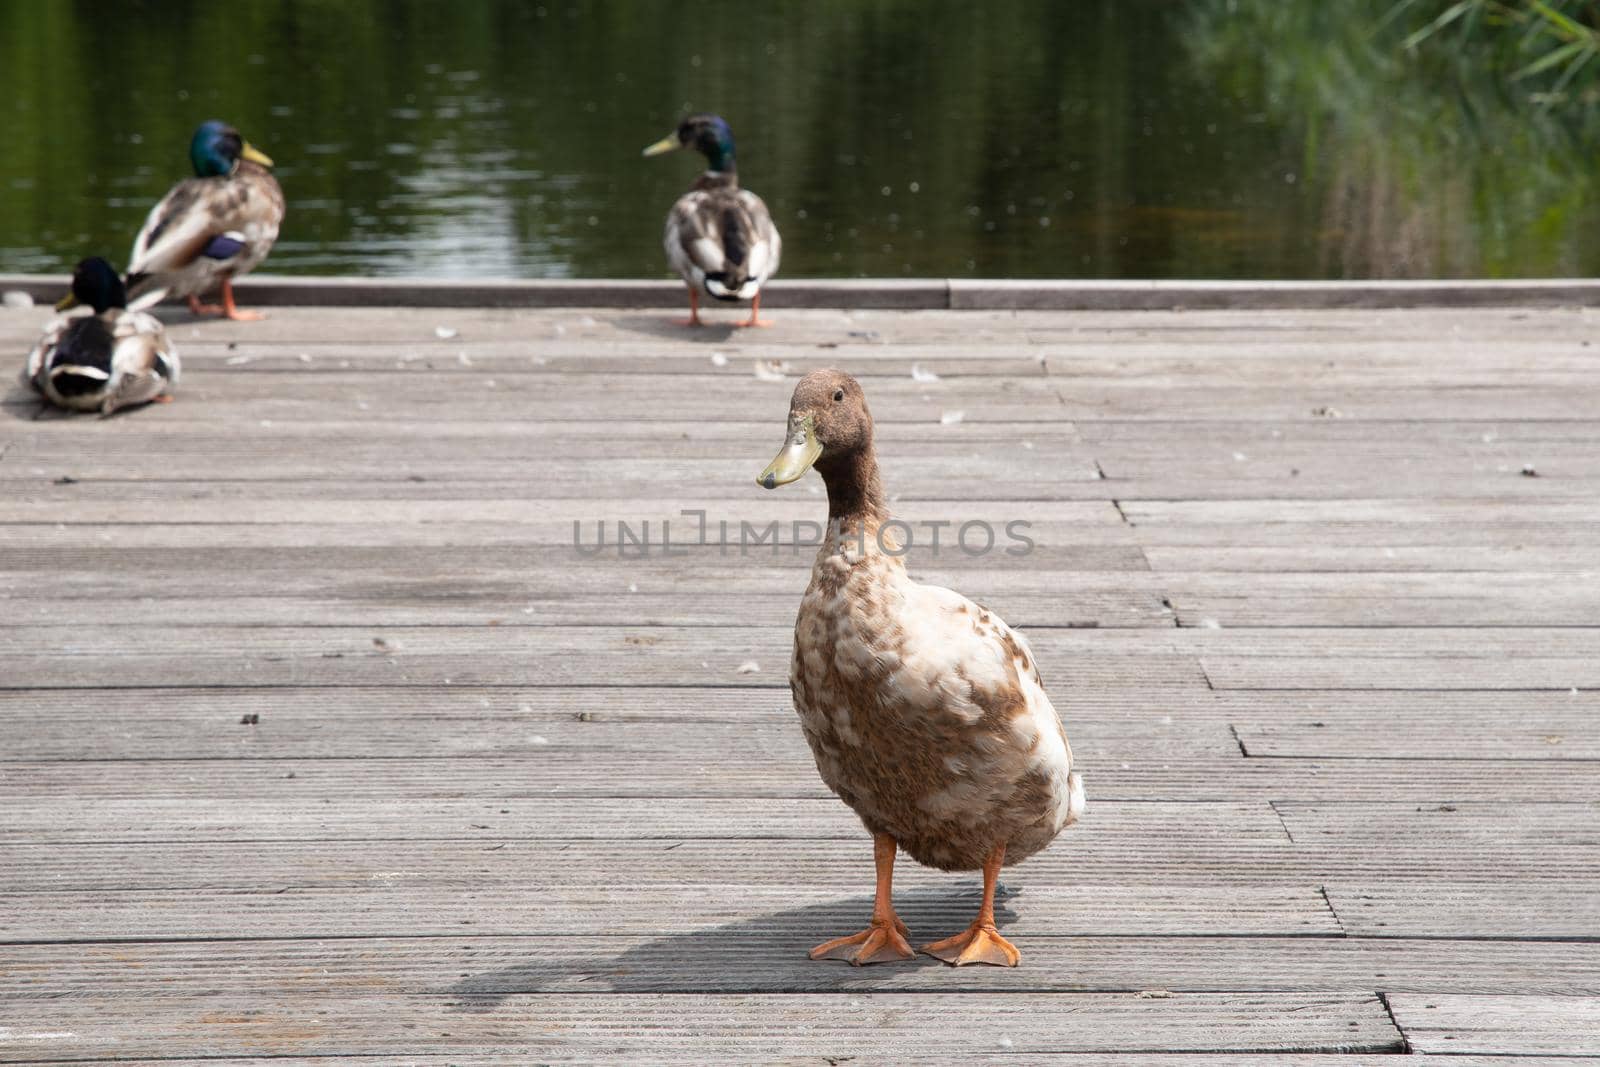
(1452, 136)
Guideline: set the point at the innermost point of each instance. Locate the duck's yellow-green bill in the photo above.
(67, 303)
(668, 143)
(255, 155)
(797, 456)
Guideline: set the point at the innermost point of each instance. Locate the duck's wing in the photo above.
(962, 658)
(39, 358)
(178, 227)
(962, 653)
(766, 246)
(144, 365)
(74, 371)
(721, 240)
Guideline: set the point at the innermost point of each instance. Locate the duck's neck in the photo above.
(718, 179)
(855, 492)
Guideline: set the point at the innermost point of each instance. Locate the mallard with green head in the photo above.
(114, 358)
(719, 237)
(209, 229)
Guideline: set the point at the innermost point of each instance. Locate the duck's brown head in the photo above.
(829, 425)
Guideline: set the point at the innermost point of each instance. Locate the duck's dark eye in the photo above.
(838, 395)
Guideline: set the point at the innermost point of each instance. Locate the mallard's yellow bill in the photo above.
(669, 143)
(67, 303)
(796, 458)
(255, 155)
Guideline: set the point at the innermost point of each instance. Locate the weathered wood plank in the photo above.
(550, 772)
(543, 521)
(740, 957)
(1556, 911)
(1547, 825)
(1224, 330)
(1452, 553)
(1386, 599)
(671, 819)
(390, 910)
(1446, 1025)
(44, 657)
(365, 600)
(1514, 658)
(1387, 672)
(874, 1025)
(675, 724)
(112, 856)
(1526, 725)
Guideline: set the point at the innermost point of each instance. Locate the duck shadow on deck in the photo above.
(723, 957)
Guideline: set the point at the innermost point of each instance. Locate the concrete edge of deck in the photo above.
(965, 294)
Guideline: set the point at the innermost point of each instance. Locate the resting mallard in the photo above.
(924, 711)
(209, 229)
(112, 359)
(719, 237)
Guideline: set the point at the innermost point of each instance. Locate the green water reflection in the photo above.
(1023, 138)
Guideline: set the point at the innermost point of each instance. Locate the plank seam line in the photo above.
(1405, 1041)
(1333, 912)
(1273, 804)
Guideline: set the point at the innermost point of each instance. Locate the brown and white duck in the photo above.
(925, 712)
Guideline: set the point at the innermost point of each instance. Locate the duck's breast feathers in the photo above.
(722, 238)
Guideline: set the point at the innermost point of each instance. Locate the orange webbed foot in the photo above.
(978, 943)
(755, 322)
(882, 942)
(198, 309)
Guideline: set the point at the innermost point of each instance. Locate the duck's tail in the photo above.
(1076, 800)
(733, 281)
(143, 291)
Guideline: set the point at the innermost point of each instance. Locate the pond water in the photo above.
(1012, 138)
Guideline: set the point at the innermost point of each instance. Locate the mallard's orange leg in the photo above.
(980, 942)
(198, 309)
(235, 313)
(885, 938)
(755, 318)
(694, 310)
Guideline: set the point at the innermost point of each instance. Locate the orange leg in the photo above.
(755, 318)
(235, 313)
(198, 309)
(885, 938)
(694, 310)
(980, 942)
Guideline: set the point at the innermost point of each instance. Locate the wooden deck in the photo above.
(319, 740)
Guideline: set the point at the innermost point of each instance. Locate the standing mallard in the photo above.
(112, 359)
(209, 229)
(719, 237)
(925, 712)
